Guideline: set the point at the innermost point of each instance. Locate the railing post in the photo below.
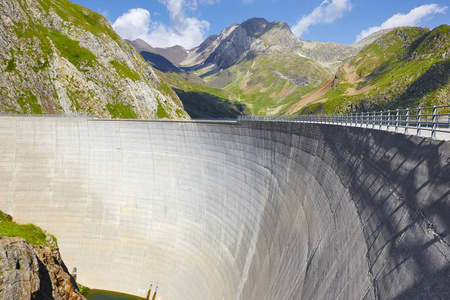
(396, 120)
(433, 129)
(419, 120)
(373, 120)
(388, 120)
(381, 119)
(407, 120)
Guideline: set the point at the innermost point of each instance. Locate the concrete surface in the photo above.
(247, 210)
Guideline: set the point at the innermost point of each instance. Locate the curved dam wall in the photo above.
(248, 210)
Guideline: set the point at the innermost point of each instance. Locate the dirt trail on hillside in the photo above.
(353, 78)
(311, 97)
(350, 74)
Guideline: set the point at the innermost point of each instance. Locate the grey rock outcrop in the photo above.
(230, 49)
(58, 57)
(33, 272)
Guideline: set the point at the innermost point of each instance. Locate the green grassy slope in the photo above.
(31, 233)
(407, 67)
(271, 82)
(201, 100)
(258, 84)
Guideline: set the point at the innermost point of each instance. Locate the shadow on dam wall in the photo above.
(248, 210)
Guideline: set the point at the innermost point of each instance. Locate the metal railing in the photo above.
(427, 121)
(50, 115)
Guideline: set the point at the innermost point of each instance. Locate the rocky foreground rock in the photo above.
(33, 272)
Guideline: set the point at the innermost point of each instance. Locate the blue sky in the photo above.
(164, 23)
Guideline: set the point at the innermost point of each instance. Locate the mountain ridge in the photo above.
(264, 67)
(259, 28)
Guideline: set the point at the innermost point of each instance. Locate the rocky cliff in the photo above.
(60, 58)
(33, 272)
(30, 264)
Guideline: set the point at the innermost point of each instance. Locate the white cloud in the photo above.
(183, 30)
(410, 19)
(326, 13)
(133, 24)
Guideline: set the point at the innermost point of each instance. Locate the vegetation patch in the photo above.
(41, 65)
(124, 71)
(80, 17)
(31, 233)
(84, 290)
(29, 103)
(120, 110)
(11, 65)
(161, 113)
(38, 34)
(70, 49)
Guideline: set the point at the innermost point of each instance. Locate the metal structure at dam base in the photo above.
(235, 210)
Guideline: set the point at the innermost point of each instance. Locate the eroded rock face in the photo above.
(58, 57)
(33, 272)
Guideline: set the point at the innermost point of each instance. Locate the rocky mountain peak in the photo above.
(254, 26)
(256, 34)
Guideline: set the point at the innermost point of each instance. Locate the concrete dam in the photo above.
(235, 210)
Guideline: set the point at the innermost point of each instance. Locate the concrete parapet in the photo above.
(247, 210)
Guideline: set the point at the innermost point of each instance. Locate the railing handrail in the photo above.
(430, 119)
(50, 115)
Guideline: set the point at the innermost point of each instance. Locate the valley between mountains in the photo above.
(260, 68)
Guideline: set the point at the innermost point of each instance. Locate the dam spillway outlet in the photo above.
(245, 210)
